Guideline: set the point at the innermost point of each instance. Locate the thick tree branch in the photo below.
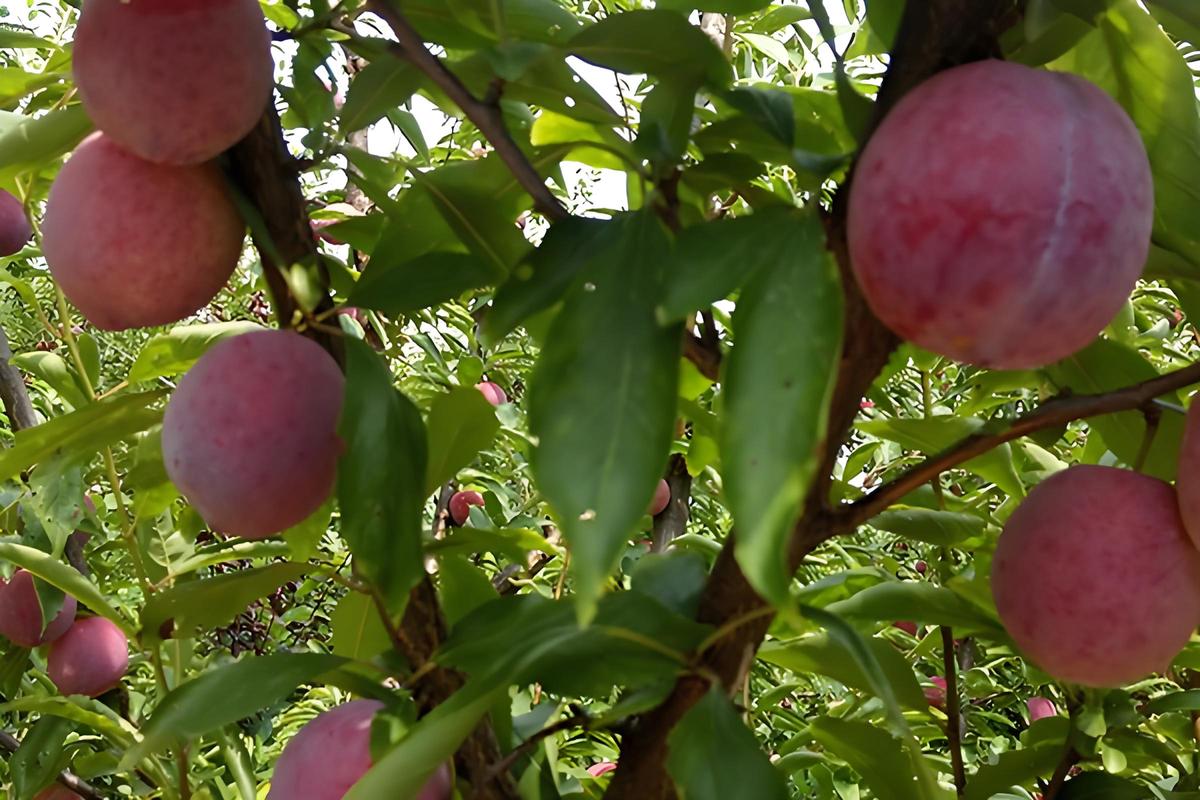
(73, 782)
(487, 117)
(672, 522)
(933, 36)
(12, 390)
(1052, 413)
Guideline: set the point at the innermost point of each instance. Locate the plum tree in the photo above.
(493, 392)
(135, 244)
(1040, 708)
(1094, 577)
(89, 659)
(1001, 214)
(250, 434)
(15, 230)
(332, 752)
(460, 506)
(1188, 482)
(21, 617)
(174, 81)
(662, 499)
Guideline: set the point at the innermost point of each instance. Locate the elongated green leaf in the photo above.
(824, 655)
(875, 754)
(383, 85)
(358, 631)
(600, 453)
(659, 42)
(174, 352)
(925, 525)
(224, 695)
(53, 369)
(1014, 768)
(66, 578)
(35, 765)
(213, 602)
(714, 756)
(425, 281)
(919, 602)
(381, 477)
(39, 140)
(82, 432)
(461, 423)
(782, 368)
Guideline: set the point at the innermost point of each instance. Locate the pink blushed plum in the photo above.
(908, 627)
(460, 506)
(15, 230)
(1001, 214)
(22, 620)
(57, 792)
(1188, 482)
(936, 695)
(174, 81)
(250, 435)
(331, 753)
(1040, 708)
(492, 392)
(602, 768)
(1094, 577)
(89, 659)
(662, 499)
(135, 244)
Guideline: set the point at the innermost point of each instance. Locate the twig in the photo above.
(73, 782)
(953, 713)
(574, 721)
(12, 390)
(1070, 758)
(486, 117)
(1058, 411)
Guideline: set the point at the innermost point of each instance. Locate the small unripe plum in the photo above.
(1094, 577)
(135, 244)
(21, 617)
(936, 695)
(460, 506)
(57, 792)
(908, 627)
(174, 81)
(15, 230)
(1040, 708)
(89, 659)
(602, 768)
(921, 567)
(492, 391)
(1001, 214)
(250, 434)
(1188, 482)
(329, 755)
(662, 498)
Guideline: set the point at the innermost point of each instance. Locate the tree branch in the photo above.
(1055, 412)
(12, 390)
(73, 782)
(487, 117)
(672, 522)
(953, 712)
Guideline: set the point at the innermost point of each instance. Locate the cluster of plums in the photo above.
(1001, 216)
(87, 656)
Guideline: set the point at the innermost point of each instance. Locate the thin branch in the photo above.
(573, 721)
(12, 390)
(953, 714)
(1055, 412)
(73, 782)
(672, 522)
(1070, 759)
(486, 117)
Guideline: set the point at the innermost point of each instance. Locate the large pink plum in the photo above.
(332, 752)
(174, 81)
(250, 435)
(1001, 215)
(1188, 482)
(21, 617)
(15, 230)
(135, 244)
(1094, 577)
(89, 659)
(662, 499)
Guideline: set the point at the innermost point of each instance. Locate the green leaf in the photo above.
(771, 109)
(547, 273)
(1103, 367)
(36, 763)
(944, 528)
(600, 453)
(424, 281)
(462, 587)
(358, 631)
(1175, 701)
(224, 695)
(1130, 57)
(712, 755)
(783, 367)
(82, 432)
(1180, 18)
(38, 140)
(174, 352)
(461, 424)
(716, 6)
(1013, 768)
(824, 655)
(918, 602)
(876, 755)
(381, 476)
(1102, 786)
(53, 369)
(657, 42)
(385, 84)
(212, 602)
(66, 578)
